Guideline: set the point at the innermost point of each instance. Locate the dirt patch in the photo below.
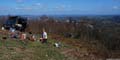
(82, 54)
(74, 53)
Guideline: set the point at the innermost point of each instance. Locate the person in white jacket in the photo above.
(44, 36)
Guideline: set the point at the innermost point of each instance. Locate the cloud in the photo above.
(117, 0)
(4, 8)
(60, 7)
(30, 7)
(116, 7)
(19, 1)
(38, 4)
(24, 8)
(63, 7)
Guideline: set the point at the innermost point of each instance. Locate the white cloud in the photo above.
(63, 7)
(115, 7)
(38, 4)
(24, 8)
(19, 1)
(4, 8)
(117, 0)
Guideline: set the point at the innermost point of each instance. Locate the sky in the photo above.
(60, 7)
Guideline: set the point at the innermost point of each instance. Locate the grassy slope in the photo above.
(14, 49)
(18, 50)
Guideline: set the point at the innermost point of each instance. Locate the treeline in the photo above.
(2, 20)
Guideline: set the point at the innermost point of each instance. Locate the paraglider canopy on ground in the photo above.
(16, 22)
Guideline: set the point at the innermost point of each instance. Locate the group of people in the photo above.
(28, 36)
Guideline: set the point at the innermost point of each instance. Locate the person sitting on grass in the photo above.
(23, 36)
(32, 38)
(44, 37)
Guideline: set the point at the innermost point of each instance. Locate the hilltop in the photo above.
(81, 38)
(70, 49)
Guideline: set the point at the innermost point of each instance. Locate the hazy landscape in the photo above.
(59, 30)
(81, 37)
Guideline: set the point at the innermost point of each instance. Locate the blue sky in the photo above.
(38, 7)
